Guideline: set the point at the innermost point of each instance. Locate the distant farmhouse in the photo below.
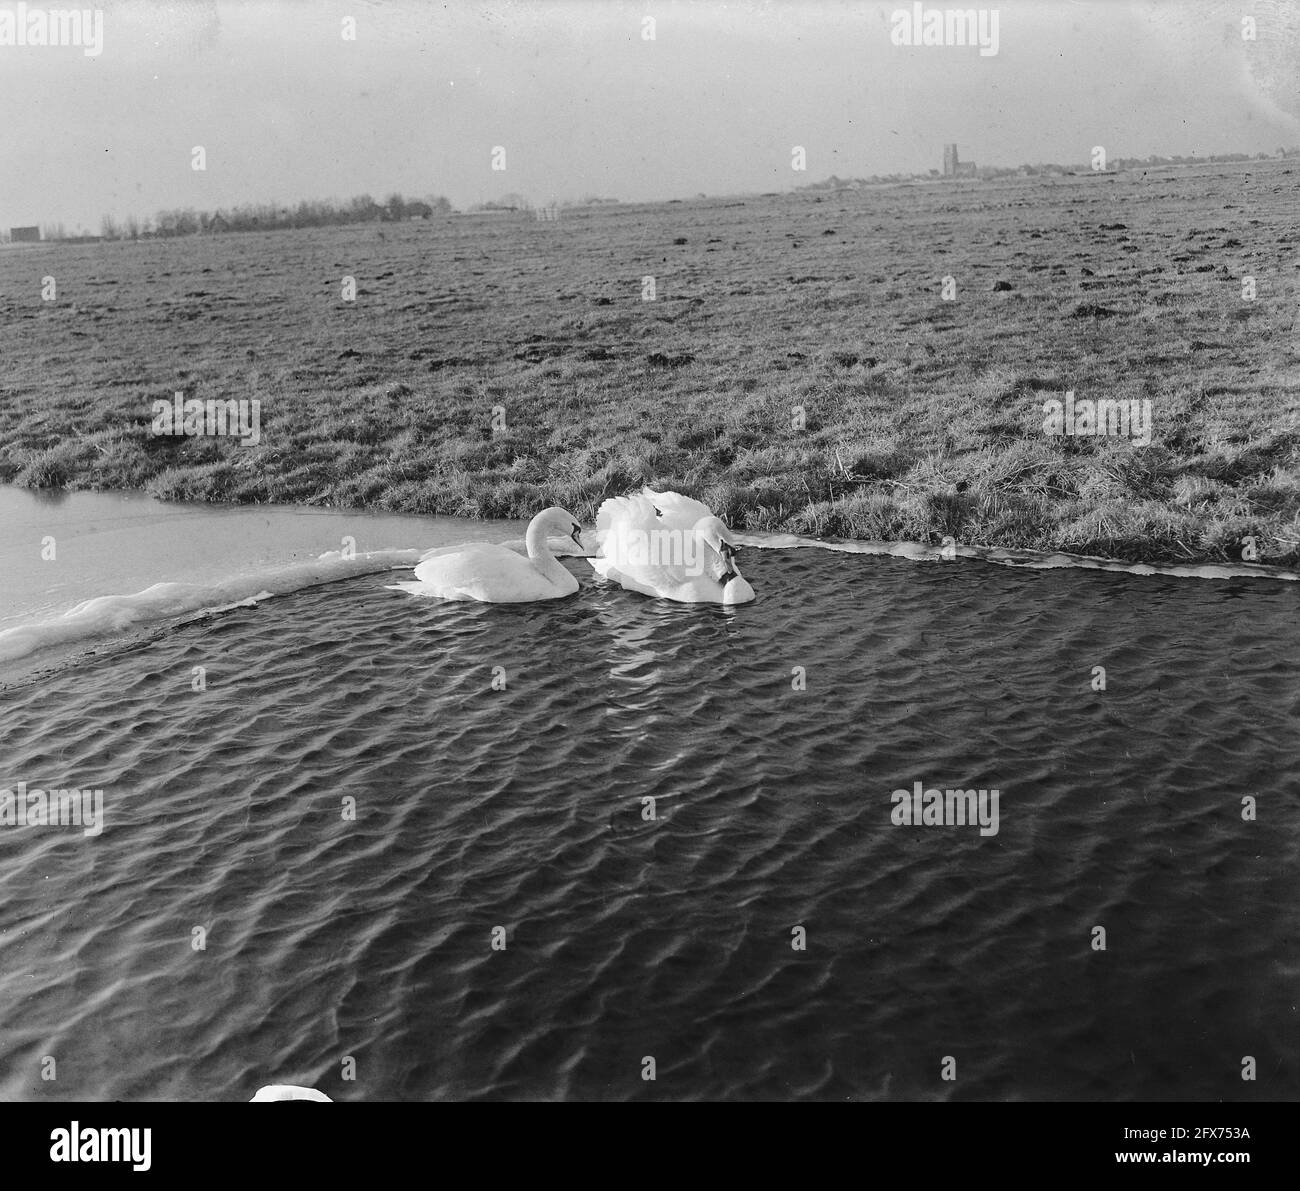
(25, 235)
(952, 168)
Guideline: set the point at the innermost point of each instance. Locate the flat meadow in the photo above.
(798, 361)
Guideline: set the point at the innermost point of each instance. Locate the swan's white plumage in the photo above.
(560, 547)
(498, 574)
(492, 573)
(684, 564)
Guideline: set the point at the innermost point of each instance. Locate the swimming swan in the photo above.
(665, 544)
(497, 574)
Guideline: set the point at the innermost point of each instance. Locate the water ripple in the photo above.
(655, 804)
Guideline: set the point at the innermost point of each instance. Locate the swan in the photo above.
(275, 1092)
(666, 544)
(496, 574)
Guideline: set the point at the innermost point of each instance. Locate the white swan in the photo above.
(274, 1092)
(497, 574)
(665, 544)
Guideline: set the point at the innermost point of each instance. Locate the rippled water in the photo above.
(523, 808)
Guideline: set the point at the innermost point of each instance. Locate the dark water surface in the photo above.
(625, 938)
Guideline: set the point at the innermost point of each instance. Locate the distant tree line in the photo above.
(1047, 169)
(519, 202)
(1132, 163)
(261, 217)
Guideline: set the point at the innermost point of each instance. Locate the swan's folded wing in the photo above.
(560, 547)
(648, 510)
(638, 579)
(679, 512)
(625, 513)
(492, 574)
(437, 550)
(462, 566)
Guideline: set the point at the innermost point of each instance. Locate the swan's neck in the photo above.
(539, 552)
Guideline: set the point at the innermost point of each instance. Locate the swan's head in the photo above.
(563, 524)
(715, 534)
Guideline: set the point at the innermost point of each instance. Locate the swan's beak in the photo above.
(576, 535)
(728, 555)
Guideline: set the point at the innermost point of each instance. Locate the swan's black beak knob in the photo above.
(576, 535)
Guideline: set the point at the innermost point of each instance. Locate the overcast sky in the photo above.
(286, 109)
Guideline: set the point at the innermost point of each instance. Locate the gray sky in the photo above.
(286, 109)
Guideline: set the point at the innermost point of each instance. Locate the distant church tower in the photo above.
(950, 161)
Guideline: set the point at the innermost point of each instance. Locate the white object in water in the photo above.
(288, 1091)
(665, 544)
(496, 574)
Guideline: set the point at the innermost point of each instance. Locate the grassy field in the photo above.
(922, 417)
